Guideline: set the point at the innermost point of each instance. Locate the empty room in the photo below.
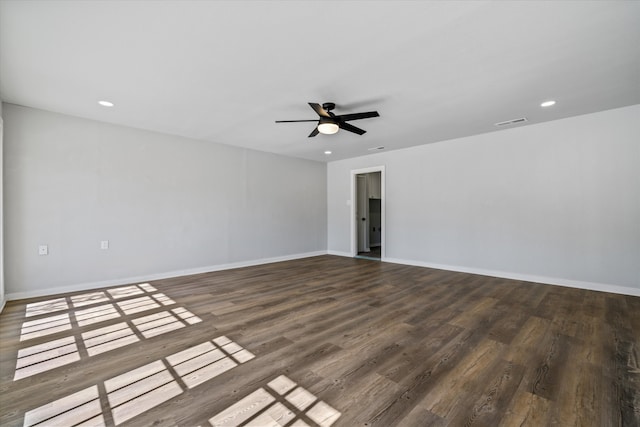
(319, 213)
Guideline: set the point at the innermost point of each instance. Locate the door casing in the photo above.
(354, 202)
(362, 213)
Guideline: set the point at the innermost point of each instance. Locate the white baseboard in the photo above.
(2, 304)
(141, 279)
(339, 253)
(602, 287)
(151, 277)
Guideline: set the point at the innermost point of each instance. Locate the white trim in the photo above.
(339, 253)
(591, 286)
(160, 276)
(353, 219)
(3, 298)
(602, 287)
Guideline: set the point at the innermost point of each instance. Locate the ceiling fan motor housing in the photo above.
(327, 120)
(328, 106)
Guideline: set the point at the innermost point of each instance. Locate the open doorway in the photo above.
(367, 225)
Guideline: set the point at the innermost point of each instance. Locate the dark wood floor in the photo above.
(323, 341)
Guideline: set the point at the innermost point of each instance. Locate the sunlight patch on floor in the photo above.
(139, 390)
(281, 402)
(244, 409)
(100, 313)
(59, 352)
(207, 360)
(277, 405)
(53, 354)
(46, 307)
(96, 314)
(81, 407)
(127, 291)
(137, 305)
(43, 327)
(108, 338)
(88, 299)
(157, 324)
(186, 315)
(41, 358)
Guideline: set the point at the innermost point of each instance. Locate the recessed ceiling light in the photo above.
(548, 103)
(327, 152)
(106, 103)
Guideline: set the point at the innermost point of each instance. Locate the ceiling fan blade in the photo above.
(318, 109)
(358, 116)
(351, 128)
(295, 121)
(314, 132)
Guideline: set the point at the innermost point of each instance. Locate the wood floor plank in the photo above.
(453, 388)
(365, 343)
(495, 397)
(578, 402)
(527, 410)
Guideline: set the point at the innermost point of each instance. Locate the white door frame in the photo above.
(354, 219)
(362, 212)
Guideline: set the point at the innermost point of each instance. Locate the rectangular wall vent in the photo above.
(511, 122)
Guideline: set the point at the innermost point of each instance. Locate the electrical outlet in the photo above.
(43, 250)
(104, 244)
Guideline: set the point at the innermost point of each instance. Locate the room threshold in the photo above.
(370, 258)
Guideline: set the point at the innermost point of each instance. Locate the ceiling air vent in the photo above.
(511, 122)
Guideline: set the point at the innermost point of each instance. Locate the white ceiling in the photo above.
(224, 71)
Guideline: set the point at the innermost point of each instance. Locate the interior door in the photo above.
(362, 213)
(375, 226)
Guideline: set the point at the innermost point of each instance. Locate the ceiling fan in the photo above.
(329, 123)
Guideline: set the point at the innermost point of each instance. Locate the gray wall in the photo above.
(557, 202)
(166, 204)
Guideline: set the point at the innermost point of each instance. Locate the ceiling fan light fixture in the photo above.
(329, 123)
(328, 128)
